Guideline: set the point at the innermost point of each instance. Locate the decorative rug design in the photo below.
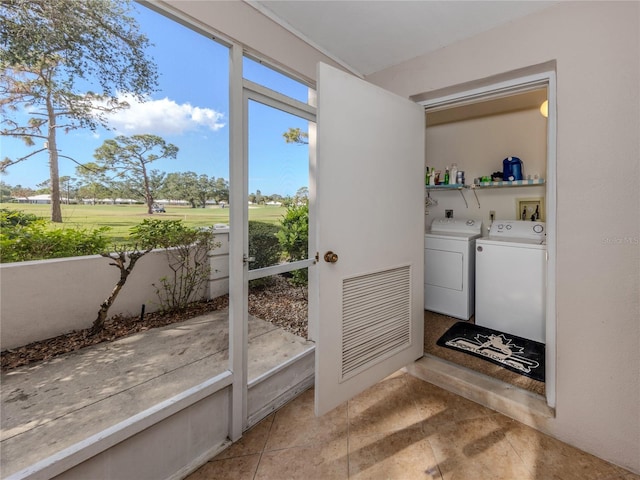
(517, 354)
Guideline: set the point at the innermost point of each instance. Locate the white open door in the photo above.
(370, 214)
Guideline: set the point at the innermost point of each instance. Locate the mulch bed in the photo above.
(278, 302)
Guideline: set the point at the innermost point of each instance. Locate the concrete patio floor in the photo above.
(57, 403)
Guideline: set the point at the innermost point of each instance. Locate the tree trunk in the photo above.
(119, 260)
(56, 210)
(147, 190)
(98, 323)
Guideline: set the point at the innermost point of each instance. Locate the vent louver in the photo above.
(376, 318)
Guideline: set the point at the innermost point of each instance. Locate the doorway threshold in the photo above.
(517, 403)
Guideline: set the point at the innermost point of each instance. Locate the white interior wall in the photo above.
(478, 147)
(597, 49)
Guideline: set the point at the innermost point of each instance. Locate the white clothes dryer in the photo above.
(449, 273)
(511, 278)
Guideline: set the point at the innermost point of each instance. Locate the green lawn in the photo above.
(122, 217)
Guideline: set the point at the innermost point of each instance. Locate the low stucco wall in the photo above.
(46, 298)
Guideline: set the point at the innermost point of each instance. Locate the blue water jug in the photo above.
(512, 168)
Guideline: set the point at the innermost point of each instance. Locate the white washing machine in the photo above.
(449, 273)
(511, 278)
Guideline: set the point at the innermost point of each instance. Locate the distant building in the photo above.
(38, 199)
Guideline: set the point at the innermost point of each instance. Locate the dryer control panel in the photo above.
(456, 225)
(506, 229)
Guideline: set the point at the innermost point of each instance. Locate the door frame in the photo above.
(243, 90)
(518, 81)
(270, 98)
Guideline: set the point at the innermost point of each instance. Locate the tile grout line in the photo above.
(422, 422)
(348, 440)
(265, 444)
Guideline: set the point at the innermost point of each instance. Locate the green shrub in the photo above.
(294, 238)
(155, 233)
(263, 245)
(187, 250)
(10, 219)
(36, 241)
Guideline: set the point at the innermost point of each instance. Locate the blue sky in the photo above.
(190, 110)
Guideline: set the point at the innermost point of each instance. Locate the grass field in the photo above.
(122, 217)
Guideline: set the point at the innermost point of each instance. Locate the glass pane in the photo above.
(278, 186)
(263, 75)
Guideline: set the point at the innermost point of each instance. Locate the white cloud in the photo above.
(163, 117)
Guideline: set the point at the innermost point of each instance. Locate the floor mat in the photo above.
(516, 354)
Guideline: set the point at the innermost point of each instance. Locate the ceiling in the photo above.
(369, 36)
(527, 100)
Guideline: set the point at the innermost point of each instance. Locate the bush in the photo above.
(26, 237)
(263, 245)
(10, 219)
(264, 248)
(187, 250)
(294, 238)
(155, 233)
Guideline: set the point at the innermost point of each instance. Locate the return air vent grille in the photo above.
(376, 318)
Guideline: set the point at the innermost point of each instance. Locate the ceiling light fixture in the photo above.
(544, 108)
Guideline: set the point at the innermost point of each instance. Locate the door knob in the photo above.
(330, 257)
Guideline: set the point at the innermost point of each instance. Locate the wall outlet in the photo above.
(492, 215)
(448, 213)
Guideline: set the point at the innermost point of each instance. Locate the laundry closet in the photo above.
(481, 139)
(477, 138)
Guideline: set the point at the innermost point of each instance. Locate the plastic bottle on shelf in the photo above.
(446, 176)
(432, 177)
(453, 173)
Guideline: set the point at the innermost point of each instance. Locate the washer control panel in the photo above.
(518, 229)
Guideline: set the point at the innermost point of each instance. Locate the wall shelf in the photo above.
(501, 184)
(504, 184)
(453, 186)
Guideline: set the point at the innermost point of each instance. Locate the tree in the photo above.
(135, 188)
(302, 196)
(205, 188)
(182, 186)
(68, 187)
(295, 135)
(51, 50)
(22, 192)
(131, 156)
(44, 186)
(195, 189)
(125, 259)
(93, 181)
(5, 191)
(221, 190)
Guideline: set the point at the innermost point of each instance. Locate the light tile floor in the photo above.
(401, 428)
